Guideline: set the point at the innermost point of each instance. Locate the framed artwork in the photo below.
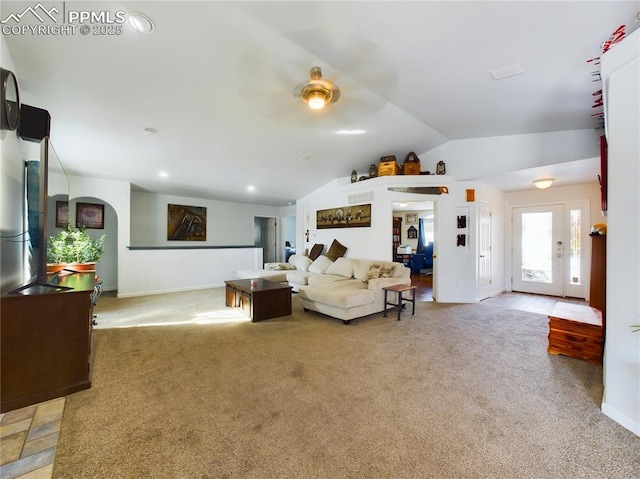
(186, 223)
(352, 216)
(90, 215)
(412, 233)
(62, 214)
(462, 232)
(412, 218)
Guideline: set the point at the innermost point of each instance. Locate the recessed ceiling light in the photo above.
(350, 132)
(251, 188)
(306, 156)
(141, 23)
(163, 174)
(149, 131)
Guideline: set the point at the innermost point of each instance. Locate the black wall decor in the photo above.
(35, 123)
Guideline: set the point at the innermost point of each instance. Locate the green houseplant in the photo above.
(74, 245)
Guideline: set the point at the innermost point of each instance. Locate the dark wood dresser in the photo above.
(46, 336)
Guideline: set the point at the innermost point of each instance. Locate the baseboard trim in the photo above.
(165, 291)
(621, 419)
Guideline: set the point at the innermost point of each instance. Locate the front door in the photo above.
(550, 249)
(538, 250)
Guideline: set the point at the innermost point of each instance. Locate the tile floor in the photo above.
(28, 440)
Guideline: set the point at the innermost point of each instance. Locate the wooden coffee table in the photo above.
(265, 300)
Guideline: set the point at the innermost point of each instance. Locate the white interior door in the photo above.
(538, 250)
(484, 250)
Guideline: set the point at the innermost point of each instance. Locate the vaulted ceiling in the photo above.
(215, 81)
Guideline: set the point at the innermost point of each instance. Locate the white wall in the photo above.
(454, 270)
(478, 157)
(620, 68)
(227, 223)
(161, 270)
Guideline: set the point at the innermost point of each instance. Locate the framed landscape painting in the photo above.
(90, 215)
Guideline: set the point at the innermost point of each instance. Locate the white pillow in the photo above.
(301, 262)
(320, 265)
(341, 267)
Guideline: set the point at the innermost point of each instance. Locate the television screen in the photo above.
(46, 192)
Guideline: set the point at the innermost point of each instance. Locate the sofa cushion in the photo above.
(336, 250)
(316, 251)
(340, 297)
(320, 265)
(319, 279)
(341, 267)
(300, 262)
(298, 277)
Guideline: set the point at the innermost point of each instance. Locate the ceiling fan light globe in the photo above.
(316, 100)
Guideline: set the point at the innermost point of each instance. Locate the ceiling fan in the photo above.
(318, 92)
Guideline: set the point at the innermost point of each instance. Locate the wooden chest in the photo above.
(388, 168)
(576, 331)
(411, 168)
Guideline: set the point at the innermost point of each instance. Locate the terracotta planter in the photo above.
(55, 268)
(80, 267)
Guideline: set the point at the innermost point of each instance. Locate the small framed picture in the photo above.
(62, 214)
(90, 215)
(412, 218)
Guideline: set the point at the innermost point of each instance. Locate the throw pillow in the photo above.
(336, 250)
(341, 267)
(378, 271)
(320, 265)
(316, 251)
(300, 262)
(279, 267)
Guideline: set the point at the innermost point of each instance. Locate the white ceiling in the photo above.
(215, 79)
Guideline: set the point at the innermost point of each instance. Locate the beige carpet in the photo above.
(457, 391)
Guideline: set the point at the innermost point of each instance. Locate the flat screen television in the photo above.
(46, 184)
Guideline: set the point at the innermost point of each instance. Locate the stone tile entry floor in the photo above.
(29, 437)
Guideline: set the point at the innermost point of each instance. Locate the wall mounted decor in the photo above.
(90, 215)
(412, 218)
(186, 223)
(351, 216)
(441, 168)
(412, 233)
(462, 232)
(62, 214)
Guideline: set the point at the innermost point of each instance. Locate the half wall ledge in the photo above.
(138, 248)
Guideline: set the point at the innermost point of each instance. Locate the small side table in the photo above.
(399, 289)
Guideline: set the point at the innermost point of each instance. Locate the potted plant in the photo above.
(74, 246)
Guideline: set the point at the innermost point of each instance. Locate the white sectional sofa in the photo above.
(346, 288)
(350, 288)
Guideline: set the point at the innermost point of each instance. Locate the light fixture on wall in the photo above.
(543, 183)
